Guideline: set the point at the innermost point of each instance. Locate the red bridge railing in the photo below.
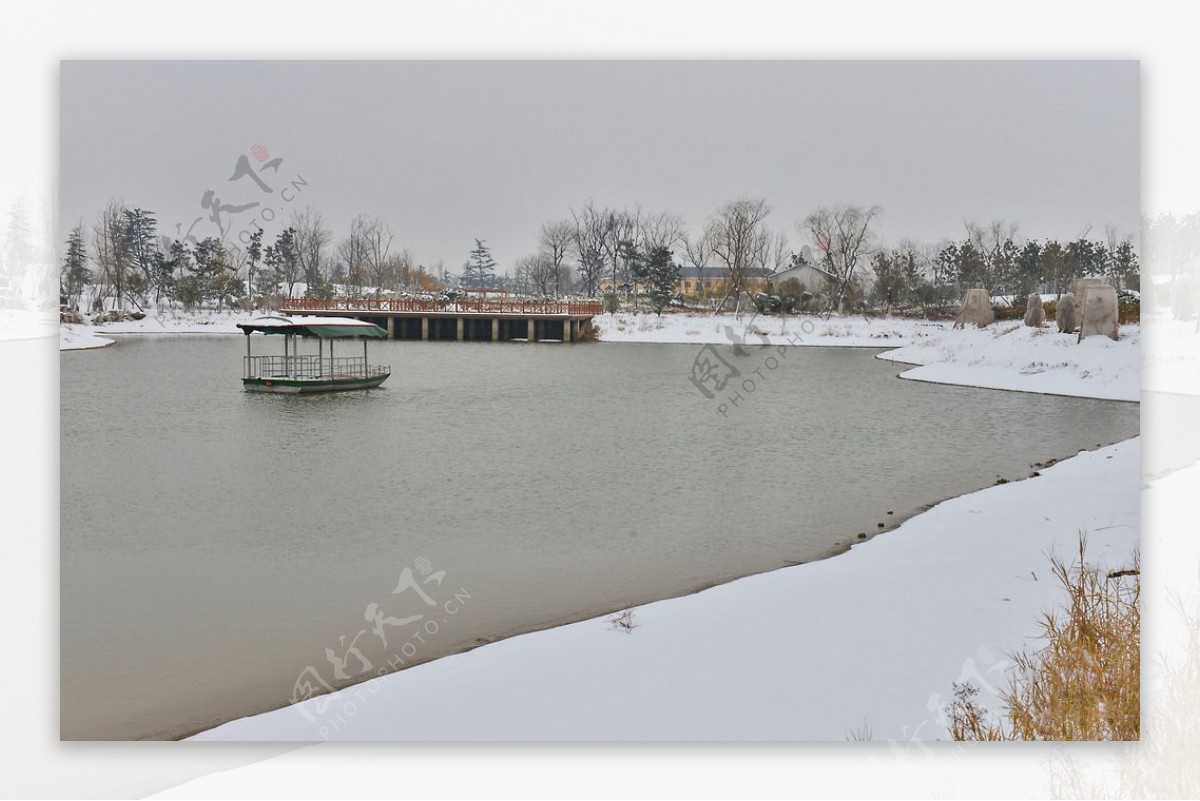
(472, 305)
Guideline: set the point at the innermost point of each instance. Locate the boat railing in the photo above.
(311, 366)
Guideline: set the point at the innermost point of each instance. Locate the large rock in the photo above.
(1081, 285)
(976, 309)
(1065, 313)
(1035, 313)
(1099, 312)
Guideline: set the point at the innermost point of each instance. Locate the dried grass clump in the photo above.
(623, 621)
(1085, 683)
(589, 332)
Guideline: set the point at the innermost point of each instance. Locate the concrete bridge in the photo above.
(463, 320)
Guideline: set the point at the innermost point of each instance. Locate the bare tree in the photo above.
(661, 231)
(698, 252)
(593, 227)
(843, 235)
(622, 228)
(739, 239)
(112, 256)
(312, 238)
(399, 268)
(537, 272)
(352, 252)
(557, 239)
(996, 245)
(380, 269)
(778, 255)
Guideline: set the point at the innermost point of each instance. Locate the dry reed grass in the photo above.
(1085, 683)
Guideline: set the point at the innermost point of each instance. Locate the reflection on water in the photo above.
(215, 543)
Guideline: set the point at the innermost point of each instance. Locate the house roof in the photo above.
(800, 270)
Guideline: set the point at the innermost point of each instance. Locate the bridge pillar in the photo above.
(495, 329)
(391, 327)
(530, 327)
(459, 330)
(568, 330)
(424, 329)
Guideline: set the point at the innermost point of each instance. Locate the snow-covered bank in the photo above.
(84, 337)
(80, 337)
(1012, 356)
(1005, 355)
(211, 322)
(726, 329)
(872, 637)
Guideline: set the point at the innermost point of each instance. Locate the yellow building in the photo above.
(708, 282)
(714, 281)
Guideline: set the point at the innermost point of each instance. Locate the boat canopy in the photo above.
(320, 327)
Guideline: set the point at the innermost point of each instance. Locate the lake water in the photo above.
(218, 547)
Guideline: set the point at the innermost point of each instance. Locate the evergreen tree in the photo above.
(1055, 268)
(184, 286)
(1002, 267)
(1125, 265)
(945, 266)
(1083, 259)
(891, 283)
(661, 274)
(911, 268)
(282, 261)
(214, 273)
(1029, 268)
(253, 255)
(972, 268)
(635, 267)
(480, 269)
(141, 243)
(164, 276)
(74, 275)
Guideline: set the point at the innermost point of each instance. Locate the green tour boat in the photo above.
(294, 372)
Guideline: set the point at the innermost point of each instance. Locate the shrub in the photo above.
(1085, 683)
(1129, 310)
(1012, 312)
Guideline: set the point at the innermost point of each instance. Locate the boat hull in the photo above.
(304, 386)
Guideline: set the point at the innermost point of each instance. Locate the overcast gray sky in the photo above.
(448, 151)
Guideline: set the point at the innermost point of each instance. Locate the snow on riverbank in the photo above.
(84, 337)
(872, 637)
(725, 329)
(1013, 356)
(80, 337)
(183, 323)
(1005, 355)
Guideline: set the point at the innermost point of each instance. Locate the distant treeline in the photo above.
(122, 260)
